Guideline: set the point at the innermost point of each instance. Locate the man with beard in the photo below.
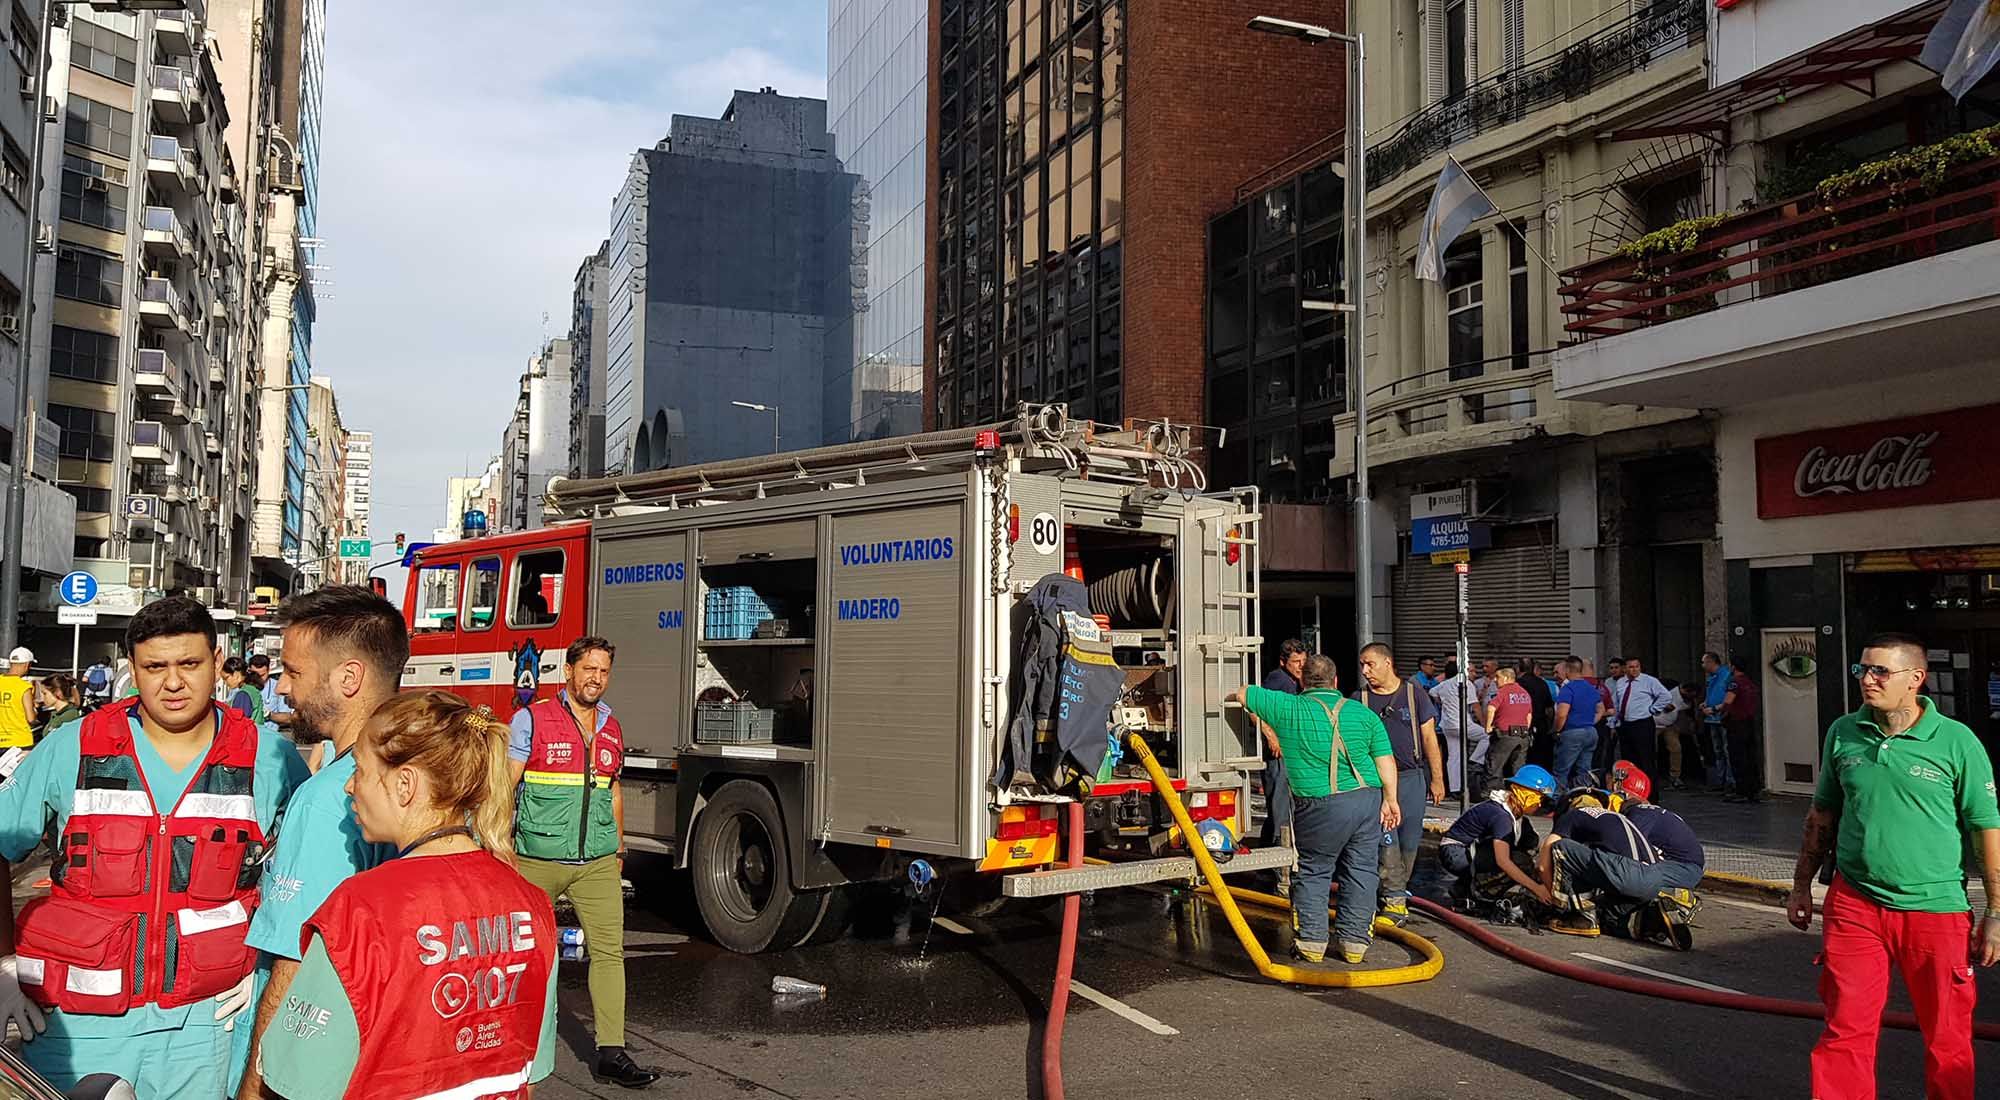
(569, 833)
(345, 648)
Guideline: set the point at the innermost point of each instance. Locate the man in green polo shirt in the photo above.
(1905, 802)
(1338, 813)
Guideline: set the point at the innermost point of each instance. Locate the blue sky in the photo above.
(470, 155)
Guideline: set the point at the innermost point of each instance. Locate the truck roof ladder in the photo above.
(1040, 439)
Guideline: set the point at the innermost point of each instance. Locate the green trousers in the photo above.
(595, 890)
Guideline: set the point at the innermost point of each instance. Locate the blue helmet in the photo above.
(1536, 778)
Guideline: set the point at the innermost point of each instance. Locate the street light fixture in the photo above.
(1357, 258)
(772, 409)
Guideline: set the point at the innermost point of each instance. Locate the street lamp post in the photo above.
(1357, 284)
(772, 409)
(12, 536)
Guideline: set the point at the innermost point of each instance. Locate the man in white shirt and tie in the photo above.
(1638, 699)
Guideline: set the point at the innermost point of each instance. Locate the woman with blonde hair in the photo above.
(434, 973)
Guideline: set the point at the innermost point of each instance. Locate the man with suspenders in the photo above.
(1339, 764)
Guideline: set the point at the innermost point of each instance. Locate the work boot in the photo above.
(1396, 909)
(1309, 952)
(1352, 952)
(615, 1067)
(1573, 924)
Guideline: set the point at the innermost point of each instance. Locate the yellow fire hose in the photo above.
(1226, 896)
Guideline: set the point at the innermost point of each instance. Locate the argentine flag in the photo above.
(1964, 45)
(1456, 204)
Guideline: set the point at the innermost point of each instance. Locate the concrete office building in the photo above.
(358, 488)
(586, 341)
(731, 263)
(146, 309)
(534, 448)
(50, 517)
(879, 71)
(295, 33)
(326, 493)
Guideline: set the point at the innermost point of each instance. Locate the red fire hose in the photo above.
(1052, 1029)
(1741, 1002)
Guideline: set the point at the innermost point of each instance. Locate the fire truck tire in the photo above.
(835, 908)
(743, 876)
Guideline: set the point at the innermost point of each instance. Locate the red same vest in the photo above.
(447, 961)
(147, 908)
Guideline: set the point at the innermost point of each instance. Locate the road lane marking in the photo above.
(1120, 1008)
(1657, 973)
(1096, 997)
(1763, 907)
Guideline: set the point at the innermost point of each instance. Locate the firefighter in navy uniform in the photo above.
(161, 809)
(432, 975)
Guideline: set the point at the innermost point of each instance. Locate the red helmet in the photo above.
(1629, 781)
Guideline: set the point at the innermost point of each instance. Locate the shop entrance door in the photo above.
(1791, 709)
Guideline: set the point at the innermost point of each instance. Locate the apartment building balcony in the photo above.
(165, 235)
(159, 382)
(1893, 266)
(176, 96)
(1465, 407)
(151, 444)
(161, 307)
(1650, 35)
(163, 482)
(171, 165)
(212, 443)
(218, 371)
(180, 30)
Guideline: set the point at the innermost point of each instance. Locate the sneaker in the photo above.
(1397, 909)
(1308, 952)
(1573, 924)
(1352, 952)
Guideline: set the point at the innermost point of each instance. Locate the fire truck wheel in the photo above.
(742, 874)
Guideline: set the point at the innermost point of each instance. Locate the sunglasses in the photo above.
(1877, 672)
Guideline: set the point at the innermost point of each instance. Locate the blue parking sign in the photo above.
(78, 588)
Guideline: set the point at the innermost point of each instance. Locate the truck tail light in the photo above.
(1026, 822)
(1211, 805)
(1232, 551)
(1013, 524)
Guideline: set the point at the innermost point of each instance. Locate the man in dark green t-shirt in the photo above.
(1904, 805)
(1338, 813)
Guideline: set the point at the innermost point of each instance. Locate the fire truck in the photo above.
(818, 653)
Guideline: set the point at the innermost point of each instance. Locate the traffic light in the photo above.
(400, 541)
(379, 586)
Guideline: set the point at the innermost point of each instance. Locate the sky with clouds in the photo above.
(471, 151)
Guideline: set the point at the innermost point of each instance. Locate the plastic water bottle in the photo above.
(785, 984)
(569, 945)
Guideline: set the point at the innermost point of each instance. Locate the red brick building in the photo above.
(1078, 150)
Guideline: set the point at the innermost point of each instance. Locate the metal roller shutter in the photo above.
(1520, 606)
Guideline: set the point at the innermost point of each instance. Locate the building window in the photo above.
(1465, 310)
(89, 499)
(21, 42)
(1672, 200)
(1455, 45)
(89, 198)
(89, 548)
(86, 433)
(14, 173)
(1513, 33)
(103, 51)
(88, 275)
(99, 126)
(1517, 294)
(77, 353)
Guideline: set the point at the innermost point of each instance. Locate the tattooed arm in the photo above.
(1815, 849)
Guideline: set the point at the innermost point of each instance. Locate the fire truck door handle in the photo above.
(754, 555)
(445, 668)
(638, 750)
(548, 668)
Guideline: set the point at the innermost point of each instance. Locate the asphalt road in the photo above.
(918, 1008)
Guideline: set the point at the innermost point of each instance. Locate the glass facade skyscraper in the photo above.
(878, 56)
(312, 80)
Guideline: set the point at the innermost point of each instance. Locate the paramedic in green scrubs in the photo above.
(164, 1052)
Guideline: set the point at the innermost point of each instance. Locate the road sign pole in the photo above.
(76, 652)
(1464, 687)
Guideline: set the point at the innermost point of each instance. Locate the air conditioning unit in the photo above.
(93, 183)
(140, 577)
(205, 596)
(194, 326)
(45, 239)
(10, 324)
(27, 86)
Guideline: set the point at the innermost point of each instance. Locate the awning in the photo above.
(1944, 559)
(1851, 59)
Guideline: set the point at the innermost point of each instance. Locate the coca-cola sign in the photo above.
(1916, 460)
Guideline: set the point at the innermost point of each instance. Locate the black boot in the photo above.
(615, 1067)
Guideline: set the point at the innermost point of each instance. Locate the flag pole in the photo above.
(1508, 222)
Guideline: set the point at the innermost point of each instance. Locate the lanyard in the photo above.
(435, 834)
